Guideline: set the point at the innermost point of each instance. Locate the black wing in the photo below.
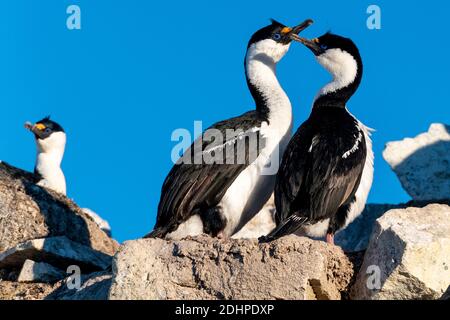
(320, 172)
(193, 186)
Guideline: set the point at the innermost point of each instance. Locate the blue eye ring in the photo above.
(323, 47)
(276, 36)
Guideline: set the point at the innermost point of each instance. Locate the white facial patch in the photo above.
(342, 66)
(268, 49)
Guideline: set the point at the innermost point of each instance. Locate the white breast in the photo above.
(366, 181)
(254, 186)
(48, 162)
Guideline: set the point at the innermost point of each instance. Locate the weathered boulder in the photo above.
(40, 272)
(423, 163)
(102, 223)
(408, 256)
(58, 251)
(207, 268)
(357, 235)
(24, 291)
(30, 212)
(94, 286)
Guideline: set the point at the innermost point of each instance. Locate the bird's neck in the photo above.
(51, 159)
(346, 80)
(272, 103)
(48, 167)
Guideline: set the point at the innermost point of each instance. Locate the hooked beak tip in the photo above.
(28, 125)
(305, 24)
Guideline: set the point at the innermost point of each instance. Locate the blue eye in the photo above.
(323, 47)
(276, 36)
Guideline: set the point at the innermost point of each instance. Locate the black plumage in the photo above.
(315, 180)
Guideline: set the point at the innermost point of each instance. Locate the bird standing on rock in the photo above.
(51, 142)
(219, 198)
(327, 169)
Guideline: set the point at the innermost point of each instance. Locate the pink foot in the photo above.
(330, 238)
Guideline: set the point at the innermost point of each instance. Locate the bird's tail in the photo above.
(156, 233)
(284, 228)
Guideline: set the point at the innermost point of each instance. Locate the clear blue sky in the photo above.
(140, 69)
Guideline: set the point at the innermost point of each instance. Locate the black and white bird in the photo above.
(51, 143)
(218, 198)
(327, 169)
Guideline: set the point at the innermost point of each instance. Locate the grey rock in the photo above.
(357, 235)
(40, 272)
(93, 287)
(102, 223)
(30, 212)
(24, 291)
(207, 268)
(57, 251)
(408, 256)
(423, 163)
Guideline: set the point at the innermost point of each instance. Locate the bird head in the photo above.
(337, 54)
(48, 134)
(273, 41)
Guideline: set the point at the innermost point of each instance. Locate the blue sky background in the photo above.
(140, 69)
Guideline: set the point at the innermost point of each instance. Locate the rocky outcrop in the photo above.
(93, 287)
(30, 212)
(10, 290)
(41, 234)
(40, 272)
(58, 251)
(423, 163)
(356, 236)
(408, 256)
(101, 223)
(206, 268)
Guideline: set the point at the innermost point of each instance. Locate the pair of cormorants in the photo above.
(326, 169)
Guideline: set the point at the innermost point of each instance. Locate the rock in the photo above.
(24, 291)
(101, 223)
(93, 287)
(357, 235)
(408, 256)
(423, 163)
(207, 268)
(40, 272)
(30, 212)
(58, 251)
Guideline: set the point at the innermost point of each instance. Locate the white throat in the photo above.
(342, 66)
(50, 152)
(262, 58)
